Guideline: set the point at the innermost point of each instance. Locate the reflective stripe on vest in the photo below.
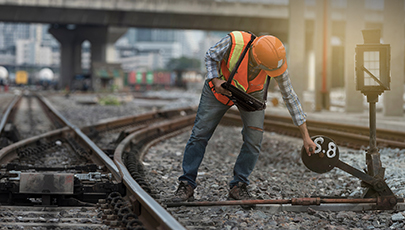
(240, 79)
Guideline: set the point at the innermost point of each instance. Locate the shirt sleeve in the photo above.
(214, 55)
(291, 99)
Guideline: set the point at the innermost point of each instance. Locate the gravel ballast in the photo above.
(279, 174)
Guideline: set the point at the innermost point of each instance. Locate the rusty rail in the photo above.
(7, 112)
(293, 201)
(148, 208)
(100, 155)
(350, 136)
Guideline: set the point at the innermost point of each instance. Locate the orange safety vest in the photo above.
(239, 41)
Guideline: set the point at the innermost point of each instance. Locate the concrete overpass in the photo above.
(307, 27)
(173, 14)
(102, 22)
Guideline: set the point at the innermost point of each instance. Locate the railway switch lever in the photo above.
(326, 157)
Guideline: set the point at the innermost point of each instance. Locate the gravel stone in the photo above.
(279, 173)
(397, 217)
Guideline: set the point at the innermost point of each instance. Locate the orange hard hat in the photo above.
(269, 53)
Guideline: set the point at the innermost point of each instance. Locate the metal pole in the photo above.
(374, 166)
(373, 136)
(373, 156)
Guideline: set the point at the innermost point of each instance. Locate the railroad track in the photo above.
(136, 145)
(108, 134)
(46, 178)
(351, 136)
(126, 140)
(108, 196)
(27, 116)
(26, 217)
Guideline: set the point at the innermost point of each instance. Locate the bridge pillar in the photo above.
(393, 34)
(296, 48)
(71, 44)
(354, 24)
(102, 39)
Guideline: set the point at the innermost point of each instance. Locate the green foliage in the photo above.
(109, 100)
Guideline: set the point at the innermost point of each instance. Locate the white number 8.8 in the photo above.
(330, 153)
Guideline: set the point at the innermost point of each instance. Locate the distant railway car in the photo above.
(147, 80)
(21, 77)
(162, 78)
(131, 78)
(140, 78)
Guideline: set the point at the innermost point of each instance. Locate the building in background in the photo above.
(27, 47)
(210, 38)
(149, 49)
(31, 48)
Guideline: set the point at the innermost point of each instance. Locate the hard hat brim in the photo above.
(277, 72)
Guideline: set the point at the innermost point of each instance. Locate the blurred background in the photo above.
(138, 45)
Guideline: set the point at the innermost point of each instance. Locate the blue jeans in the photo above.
(209, 114)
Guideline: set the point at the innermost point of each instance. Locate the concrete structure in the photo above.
(102, 39)
(142, 62)
(394, 35)
(107, 76)
(355, 15)
(331, 30)
(72, 20)
(178, 14)
(157, 53)
(296, 46)
(162, 44)
(322, 48)
(32, 53)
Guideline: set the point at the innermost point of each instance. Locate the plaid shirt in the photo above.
(217, 52)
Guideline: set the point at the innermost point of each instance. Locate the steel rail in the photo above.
(155, 211)
(384, 134)
(166, 220)
(341, 137)
(99, 153)
(54, 117)
(128, 120)
(148, 206)
(293, 201)
(7, 113)
(6, 153)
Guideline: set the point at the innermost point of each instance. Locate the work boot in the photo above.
(184, 192)
(240, 192)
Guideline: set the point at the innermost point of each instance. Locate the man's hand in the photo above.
(218, 88)
(309, 145)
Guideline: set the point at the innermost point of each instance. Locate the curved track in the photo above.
(136, 144)
(55, 170)
(126, 140)
(352, 136)
(37, 155)
(27, 116)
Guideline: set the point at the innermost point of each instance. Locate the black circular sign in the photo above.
(326, 155)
